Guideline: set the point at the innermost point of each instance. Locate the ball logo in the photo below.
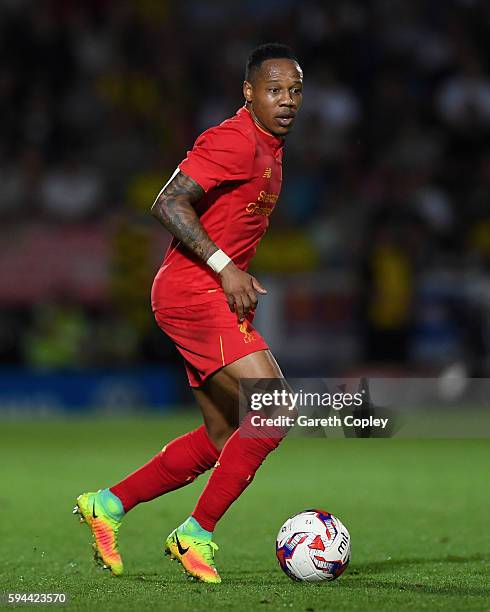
(342, 547)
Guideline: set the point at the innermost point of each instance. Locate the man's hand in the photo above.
(240, 289)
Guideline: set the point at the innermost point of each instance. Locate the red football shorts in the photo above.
(209, 336)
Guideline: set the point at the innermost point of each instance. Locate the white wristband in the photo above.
(218, 261)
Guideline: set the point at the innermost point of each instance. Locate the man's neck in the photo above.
(261, 127)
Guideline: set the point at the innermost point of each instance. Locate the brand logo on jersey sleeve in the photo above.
(267, 173)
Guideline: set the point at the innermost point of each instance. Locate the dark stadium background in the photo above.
(378, 253)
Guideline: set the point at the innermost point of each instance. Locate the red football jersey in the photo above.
(239, 166)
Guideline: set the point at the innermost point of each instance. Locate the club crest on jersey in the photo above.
(267, 173)
(248, 336)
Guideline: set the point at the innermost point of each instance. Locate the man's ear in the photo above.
(247, 91)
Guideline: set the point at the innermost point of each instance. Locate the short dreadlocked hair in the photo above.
(266, 52)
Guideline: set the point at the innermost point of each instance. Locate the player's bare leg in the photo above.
(218, 408)
(191, 543)
(218, 397)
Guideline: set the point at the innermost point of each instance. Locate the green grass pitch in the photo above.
(417, 512)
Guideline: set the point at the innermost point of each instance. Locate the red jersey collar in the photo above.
(271, 140)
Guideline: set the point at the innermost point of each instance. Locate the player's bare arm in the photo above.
(174, 208)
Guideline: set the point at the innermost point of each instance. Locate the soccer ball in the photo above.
(313, 546)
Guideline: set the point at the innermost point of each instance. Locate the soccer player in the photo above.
(217, 206)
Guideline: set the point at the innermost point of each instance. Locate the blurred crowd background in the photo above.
(378, 253)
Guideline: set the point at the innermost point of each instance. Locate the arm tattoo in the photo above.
(174, 209)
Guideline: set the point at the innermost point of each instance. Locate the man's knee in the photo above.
(219, 434)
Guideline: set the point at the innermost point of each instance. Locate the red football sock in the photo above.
(178, 464)
(240, 458)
